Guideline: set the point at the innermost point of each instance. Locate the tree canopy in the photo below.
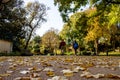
(12, 21)
(86, 27)
(71, 6)
(50, 39)
(36, 13)
(19, 21)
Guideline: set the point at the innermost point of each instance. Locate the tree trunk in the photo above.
(27, 42)
(96, 46)
(113, 43)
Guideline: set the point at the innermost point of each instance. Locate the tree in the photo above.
(36, 13)
(12, 21)
(88, 28)
(35, 44)
(50, 40)
(96, 31)
(107, 12)
(75, 28)
(65, 32)
(2, 3)
(70, 6)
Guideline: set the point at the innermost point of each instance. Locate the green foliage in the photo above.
(36, 48)
(65, 31)
(88, 28)
(75, 28)
(96, 30)
(36, 13)
(11, 23)
(50, 40)
(69, 53)
(111, 53)
(18, 23)
(37, 39)
(34, 45)
(100, 20)
(114, 15)
(70, 6)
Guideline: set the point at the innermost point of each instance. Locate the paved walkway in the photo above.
(60, 68)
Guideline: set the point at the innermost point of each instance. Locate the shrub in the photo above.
(85, 52)
(26, 53)
(10, 54)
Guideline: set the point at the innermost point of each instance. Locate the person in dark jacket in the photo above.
(75, 47)
(62, 46)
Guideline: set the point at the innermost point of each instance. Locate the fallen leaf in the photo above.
(113, 76)
(38, 70)
(34, 69)
(9, 72)
(67, 72)
(69, 60)
(24, 72)
(58, 78)
(18, 78)
(113, 68)
(81, 68)
(10, 60)
(50, 73)
(1, 78)
(38, 78)
(45, 64)
(78, 68)
(35, 75)
(90, 75)
(48, 69)
(98, 76)
(25, 78)
(4, 75)
(88, 64)
(86, 74)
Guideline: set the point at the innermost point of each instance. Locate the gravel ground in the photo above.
(66, 67)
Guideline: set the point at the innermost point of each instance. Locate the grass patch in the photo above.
(112, 53)
(69, 53)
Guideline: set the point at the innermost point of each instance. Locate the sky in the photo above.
(54, 19)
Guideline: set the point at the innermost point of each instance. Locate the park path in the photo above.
(60, 68)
